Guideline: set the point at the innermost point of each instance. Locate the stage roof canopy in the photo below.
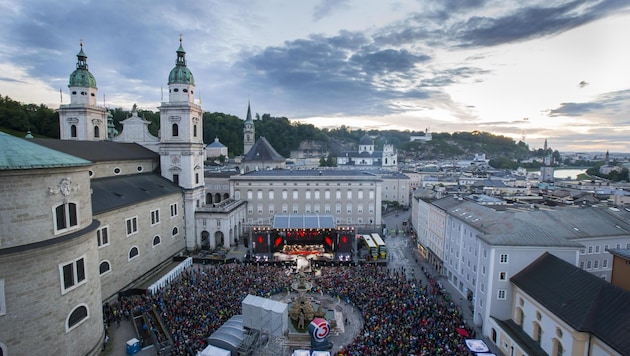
(303, 221)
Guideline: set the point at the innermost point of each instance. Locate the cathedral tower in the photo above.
(249, 132)
(82, 119)
(181, 142)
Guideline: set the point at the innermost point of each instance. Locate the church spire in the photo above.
(82, 58)
(181, 54)
(249, 113)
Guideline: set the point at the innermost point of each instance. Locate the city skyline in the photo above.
(521, 69)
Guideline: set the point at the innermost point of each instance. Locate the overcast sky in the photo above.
(556, 69)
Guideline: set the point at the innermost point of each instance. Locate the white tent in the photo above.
(301, 353)
(279, 319)
(265, 315)
(213, 351)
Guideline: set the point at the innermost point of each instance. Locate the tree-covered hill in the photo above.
(286, 135)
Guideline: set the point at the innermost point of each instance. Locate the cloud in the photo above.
(613, 104)
(326, 7)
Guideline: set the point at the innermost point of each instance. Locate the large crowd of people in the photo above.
(402, 316)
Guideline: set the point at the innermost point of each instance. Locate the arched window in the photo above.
(175, 231)
(519, 317)
(133, 253)
(175, 130)
(77, 316)
(537, 333)
(3, 349)
(97, 132)
(156, 240)
(66, 216)
(73, 130)
(104, 267)
(559, 350)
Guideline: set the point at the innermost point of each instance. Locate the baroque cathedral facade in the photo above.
(86, 216)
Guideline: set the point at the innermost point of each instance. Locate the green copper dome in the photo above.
(81, 77)
(181, 74)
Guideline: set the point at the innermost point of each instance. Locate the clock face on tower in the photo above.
(175, 159)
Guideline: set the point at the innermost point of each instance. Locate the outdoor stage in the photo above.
(315, 237)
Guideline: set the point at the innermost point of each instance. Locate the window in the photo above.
(176, 179)
(104, 267)
(116, 170)
(156, 240)
(175, 130)
(175, 231)
(295, 208)
(72, 275)
(317, 194)
(132, 225)
(501, 294)
(3, 303)
(173, 209)
(285, 208)
(77, 316)
(284, 195)
(590, 249)
(537, 333)
(338, 194)
(502, 276)
(196, 178)
(307, 195)
(155, 217)
(97, 132)
(503, 258)
(559, 348)
(133, 252)
(338, 208)
(349, 194)
(596, 264)
(66, 217)
(194, 130)
(597, 249)
(295, 194)
(102, 236)
(327, 194)
(73, 130)
(604, 263)
(588, 264)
